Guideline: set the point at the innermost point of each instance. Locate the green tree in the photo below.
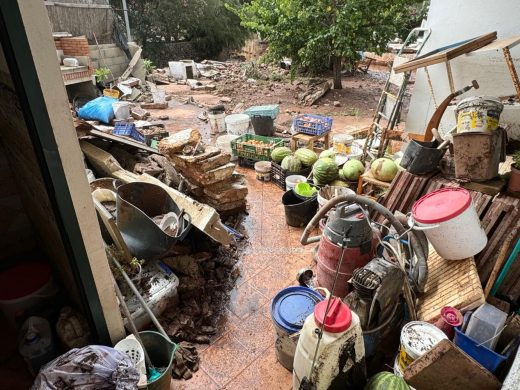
(316, 33)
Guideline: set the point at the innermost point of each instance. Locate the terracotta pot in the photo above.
(514, 180)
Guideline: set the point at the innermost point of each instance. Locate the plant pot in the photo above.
(514, 181)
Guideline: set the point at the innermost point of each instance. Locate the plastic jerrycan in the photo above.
(340, 361)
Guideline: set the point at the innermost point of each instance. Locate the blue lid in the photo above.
(292, 305)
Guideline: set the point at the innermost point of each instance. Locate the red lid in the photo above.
(441, 205)
(23, 279)
(452, 316)
(338, 318)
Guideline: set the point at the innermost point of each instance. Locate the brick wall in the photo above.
(73, 46)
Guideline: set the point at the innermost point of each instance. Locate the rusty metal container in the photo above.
(478, 154)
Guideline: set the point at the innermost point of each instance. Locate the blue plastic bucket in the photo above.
(289, 309)
(485, 356)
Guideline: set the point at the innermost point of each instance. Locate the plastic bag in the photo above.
(94, 367)
(99, 109)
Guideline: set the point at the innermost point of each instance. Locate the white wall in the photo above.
(457, 20)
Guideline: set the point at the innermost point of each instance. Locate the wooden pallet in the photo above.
(452, 283)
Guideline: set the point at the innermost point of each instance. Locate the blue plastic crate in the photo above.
(128, 130)
(484, 356)
(312, 124)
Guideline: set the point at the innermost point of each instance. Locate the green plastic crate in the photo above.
(271, 111)
(255, 152)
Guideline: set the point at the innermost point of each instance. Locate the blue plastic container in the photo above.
(289, 309)
(312, 124)
(483, 355)
(128, 130)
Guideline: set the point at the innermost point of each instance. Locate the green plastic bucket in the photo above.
(161, 352)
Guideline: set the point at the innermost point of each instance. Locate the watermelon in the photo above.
(278, 154)
(291, 164)
(329, 153)
(324, 171)
(341, 175)
(386, 381)
(353, 169)
(384, 169)
(306, 156)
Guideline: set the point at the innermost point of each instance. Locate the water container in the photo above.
(36, 344)
(217, 121)
(237, 124)
(224, 142)
(486, 324)
(340, 359)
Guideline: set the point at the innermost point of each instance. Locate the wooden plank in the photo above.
(450, 283)
(498, 45)
(447, 54)
(447, 367)
(77, 5)
(123, 140)
(490, 187)
(131, 65)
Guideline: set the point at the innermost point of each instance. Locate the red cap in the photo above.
(338, 318)
(452, 316)
(441, 205)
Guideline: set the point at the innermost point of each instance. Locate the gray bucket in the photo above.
(161, 352)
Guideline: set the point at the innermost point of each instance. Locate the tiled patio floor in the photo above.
(243, 355)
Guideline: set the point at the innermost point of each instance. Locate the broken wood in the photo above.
(122, 140)
(314, 93)
(154, 106)
(131, 64)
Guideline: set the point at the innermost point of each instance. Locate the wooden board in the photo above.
(123, 140)
(447, 367)
(131, 65)
(450, 283)
(447, 53)
(498, 45)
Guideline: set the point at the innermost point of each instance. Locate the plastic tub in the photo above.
(217, 122)
(486, 324)
(224, 142)
(121, 110)
(263, 170)
(450, 222)
(478, 113)
(486, 357)
(289, 309)
(237, 124)
(263, 125)
(298, 213)
(291, 181)
(161, 352)
(342, 143)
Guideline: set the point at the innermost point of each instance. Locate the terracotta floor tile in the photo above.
(245, 300)
(200, 380)
(225, 359)
(264, 373)
(257, 332)
(270, 281)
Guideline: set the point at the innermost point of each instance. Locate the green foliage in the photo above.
(101, 74)
(148, 66)
(314, 32)
(516, 159)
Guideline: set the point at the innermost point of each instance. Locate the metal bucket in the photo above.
(161, 352)
(137, 204)
(421, 157)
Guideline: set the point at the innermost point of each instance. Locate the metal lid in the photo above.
(338, 318)
(291, 306)
(441, 205)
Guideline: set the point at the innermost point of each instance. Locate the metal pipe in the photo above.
(127, 23)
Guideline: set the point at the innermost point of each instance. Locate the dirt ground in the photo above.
(357, 100)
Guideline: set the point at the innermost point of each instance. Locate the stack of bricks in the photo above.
(73, 46)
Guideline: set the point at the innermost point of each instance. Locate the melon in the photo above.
(324, 171)
(341, 175)
(386, 381)
(353, 169)
(384, 169)
(306, 156)
(329, 153)
(279, 153)
(291, 164)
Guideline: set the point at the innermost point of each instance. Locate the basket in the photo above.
(278, 175)
(131, 347)
(246, 162)
(312, 124)
(127, 130)
(271, 111)
(260, 152)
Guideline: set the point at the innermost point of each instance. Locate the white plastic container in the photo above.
(486, 324)
(291, 181)
(263, 170)
(450, 222)
(72, 62)
(224, 142)
(237, 124)
(342, 342)
(36, 343)
(342, 143)
(478, 113)
(217, 122)
(121, 110)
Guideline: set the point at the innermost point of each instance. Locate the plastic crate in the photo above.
(128, 130)
(246, 163)
(261, 152)
(312, 124)
(483, 355)
(271, 111)
(278, 175)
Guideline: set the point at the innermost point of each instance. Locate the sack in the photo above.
(99, 109)
(94, 367)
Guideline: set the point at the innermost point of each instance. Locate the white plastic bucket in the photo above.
(159, 96)
(224, 142)
(478, 113)
(121, 110)
(291, 181)
(417, 338)
(263, 170)
(450, 222)
(217, 121)
(342, 143)
(237, 124)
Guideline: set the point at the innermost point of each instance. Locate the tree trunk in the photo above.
(336, 71)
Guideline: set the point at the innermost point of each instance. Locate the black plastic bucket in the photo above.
(263, 125)
(298, 212)
(421, 157)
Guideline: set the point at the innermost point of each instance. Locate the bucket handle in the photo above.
(411, 223)
(325, 291)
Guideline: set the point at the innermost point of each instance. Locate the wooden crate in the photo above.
(452, 283)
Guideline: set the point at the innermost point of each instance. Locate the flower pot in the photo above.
(514, 180)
